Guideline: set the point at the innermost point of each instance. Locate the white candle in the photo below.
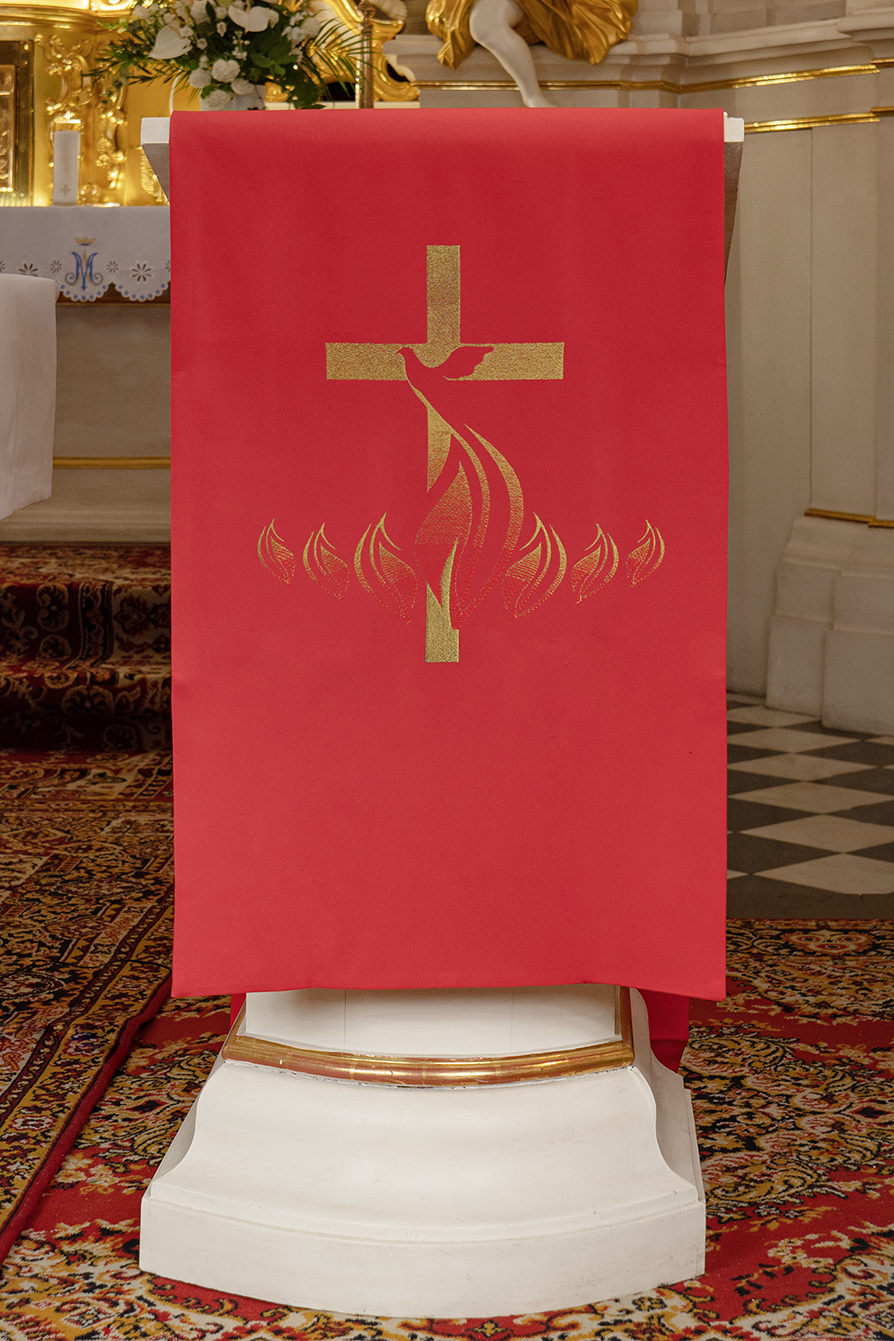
(66, 161)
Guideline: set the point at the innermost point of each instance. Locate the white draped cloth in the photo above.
(27, 389)
(87, 249)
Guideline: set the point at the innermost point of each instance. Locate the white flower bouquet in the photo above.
(229, 51)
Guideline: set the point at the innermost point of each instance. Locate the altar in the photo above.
(111, 270)
(27, 390)
(90, 251)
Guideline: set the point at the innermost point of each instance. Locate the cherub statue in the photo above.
(576, 29)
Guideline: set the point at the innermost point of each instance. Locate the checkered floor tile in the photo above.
(811, 817)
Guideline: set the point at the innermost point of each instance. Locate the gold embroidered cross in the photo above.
(384, 363)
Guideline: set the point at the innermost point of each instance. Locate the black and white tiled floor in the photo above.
(811, 817)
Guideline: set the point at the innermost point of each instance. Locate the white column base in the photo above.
(391, 1200)
(832, 635)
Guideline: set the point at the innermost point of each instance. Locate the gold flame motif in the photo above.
(647, 555)
(543, 559)
(597, 567)
(276, 557)
(384, 575)
(323, 565)
(483, 491)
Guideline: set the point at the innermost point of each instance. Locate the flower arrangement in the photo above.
(229, 51)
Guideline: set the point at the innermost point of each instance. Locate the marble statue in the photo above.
(576, 29)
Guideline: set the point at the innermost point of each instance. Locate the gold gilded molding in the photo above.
(424, 1072)
(385, 87)
(70, 63)
(111, 463)
(784, 77)
(808, 122)
(110, 117)
(861, 518)
(16, 119)
(7, 127)
(666, 85)
(474, 85)
(58, 92)
(148, 180)
(88, 105)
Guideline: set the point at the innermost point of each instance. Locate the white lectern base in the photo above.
(432, 1199)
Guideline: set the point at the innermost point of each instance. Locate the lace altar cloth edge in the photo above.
(88, 249)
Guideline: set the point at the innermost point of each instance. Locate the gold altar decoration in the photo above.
(580, 30)
(46, 54)
(385, 87)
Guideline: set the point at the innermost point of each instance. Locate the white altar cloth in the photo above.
(27, 390)
(88, 248)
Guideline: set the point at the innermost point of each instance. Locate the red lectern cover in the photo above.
(449, 549)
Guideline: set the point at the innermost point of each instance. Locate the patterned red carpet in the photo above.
(791, 1078)
(85, 646)
(85, 911)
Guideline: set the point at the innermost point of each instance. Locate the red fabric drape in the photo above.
(550, 806)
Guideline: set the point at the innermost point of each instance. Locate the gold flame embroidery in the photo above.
(323, 565)
(382, 573)
(647, 555)
(483, 492)
(544, 558)
(276, 557)
(589, 573)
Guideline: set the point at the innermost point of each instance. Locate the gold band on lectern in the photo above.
(371, 1069)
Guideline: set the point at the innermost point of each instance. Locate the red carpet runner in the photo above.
(791, 1082)
(85, 933)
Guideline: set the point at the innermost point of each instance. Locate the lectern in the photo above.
(449, 488)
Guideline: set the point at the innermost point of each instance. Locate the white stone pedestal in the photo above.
(395, 1153)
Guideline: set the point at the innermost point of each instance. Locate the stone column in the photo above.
(832, 635)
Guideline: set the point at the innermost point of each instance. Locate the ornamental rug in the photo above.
(85, 646)
(791, 1078)
(85, 931)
